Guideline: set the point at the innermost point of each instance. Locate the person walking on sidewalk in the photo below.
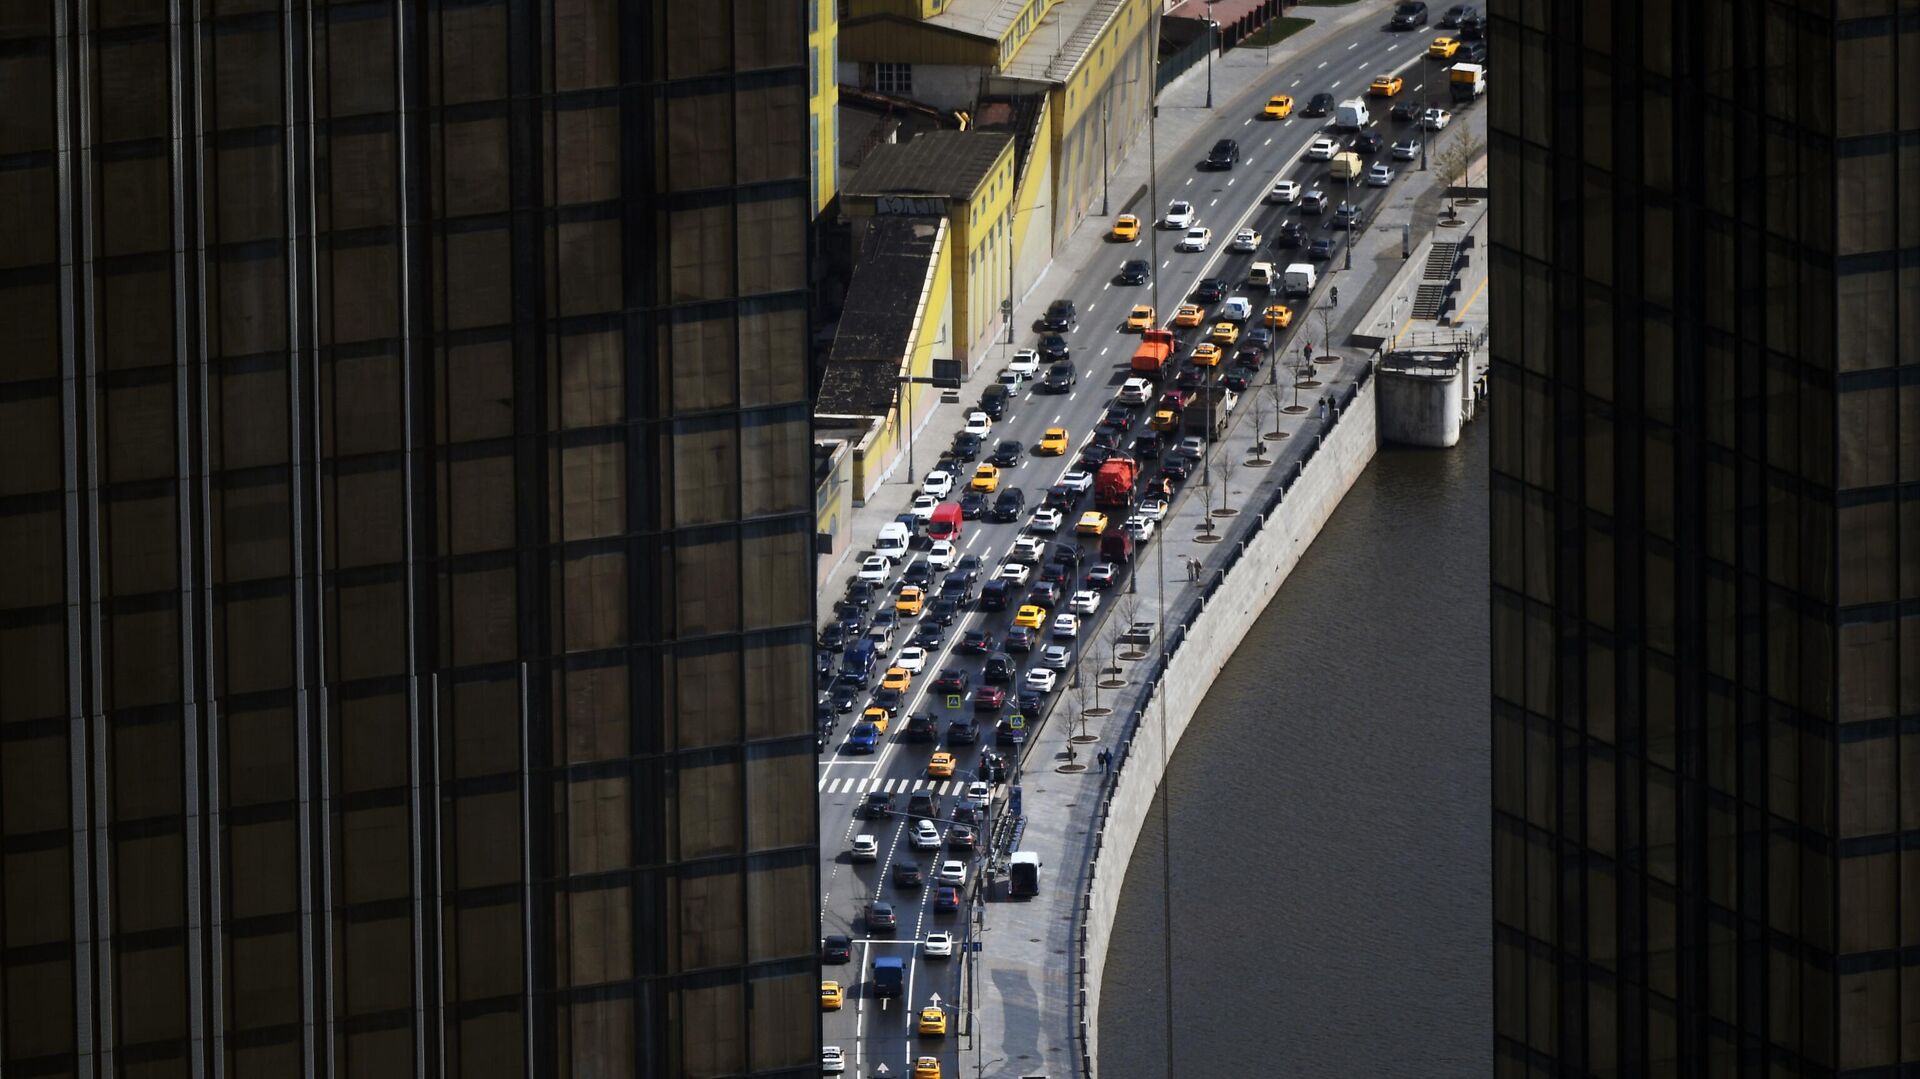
(1106, 760)
(1333, 294)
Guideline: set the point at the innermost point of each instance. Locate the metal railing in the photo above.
(1243, 532)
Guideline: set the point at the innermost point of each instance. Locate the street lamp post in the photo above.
(1420, 118)
(1210, 28)
(1346, 196)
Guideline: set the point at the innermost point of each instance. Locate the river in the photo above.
(1330, 803)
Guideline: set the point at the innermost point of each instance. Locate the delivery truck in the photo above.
(1023, 873)
(1207, 413)
(1352, 115)
(1298, 279)
(947, 522)
(1347, 167)
(889, 975)
(1150, 359)
(1467, 81)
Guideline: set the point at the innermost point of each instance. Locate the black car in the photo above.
(1258, 337)
(974, 642)
(1059, 379)
(1092, 457)
(1224, 154)
(1135, 272)
(1061, 497)
(998, 669)
(918, 574)
(993, 400)
(973, 505)
(1366, 142)
(1067, 554)
(1006, 734)
(966, 447)
(946, 900)
(963, 732)
(967, 814)
(1290, 234)
(1106, 435)
(1047, 593)
(957, 590)
(1249, 358)
(1320, 250)
(1473, 29)
(888, 698)
(942, 612)
(845, 692)
(922, 803)
(1452, 16)
(1060, 317)
(967, 569)
(1053, 347)
(1472, 51)
(837, 948)
(848, 611)
(1149, 444)
(1054, 573)
(1408, 15)
(1235, 381)
(881, 919)
(1176, 467)
(929, 634)
(877, 805)
(1009, 505)
(1118, 417)
(1007, 453)
(1019, 639)
(1318, 105)
(993, 769)
(861, 592)
(1209, 290)
(1030, 701)
(833, 636)
(1408, 109)
(1190, 379)
(994, 595)
(951, 680)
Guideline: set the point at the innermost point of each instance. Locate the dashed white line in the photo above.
(1246, 121)
(1335, 86)
(1056, 417)
(1213, 202)
(1323, 63)
(1296, 82)
(1106, 286)
(1164, 263)
(1269, 142)
(1353, 46)
(1103, 350)
(1419, 88)
(1189, 181)
(1393, 46)
(1230, 180)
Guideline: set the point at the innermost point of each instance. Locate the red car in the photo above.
(989, 699)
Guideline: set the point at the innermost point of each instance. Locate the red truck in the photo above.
(1113, 484)
(946, 523)
(1151, 359)
(1116, 546)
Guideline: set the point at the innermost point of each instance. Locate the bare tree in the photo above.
(1273, 391)
(1126, 608)
(1224, 465)
(1455, 161)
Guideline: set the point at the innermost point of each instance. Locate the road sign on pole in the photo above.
(953, 700)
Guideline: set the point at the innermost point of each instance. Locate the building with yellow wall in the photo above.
(823, 99)
(968, 178)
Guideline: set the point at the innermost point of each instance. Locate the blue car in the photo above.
(864, 738)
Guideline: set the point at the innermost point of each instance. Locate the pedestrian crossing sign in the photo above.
(953, 700)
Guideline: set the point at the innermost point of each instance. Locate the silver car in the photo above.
(1056, 657)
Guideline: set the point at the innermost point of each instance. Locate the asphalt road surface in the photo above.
(873, 1032)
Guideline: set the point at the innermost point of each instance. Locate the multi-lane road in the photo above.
(875, 1033)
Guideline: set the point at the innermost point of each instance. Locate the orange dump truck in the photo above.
(1155, 353)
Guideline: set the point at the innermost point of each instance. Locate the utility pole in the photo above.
(1210, 28)
(1106, 162)
(1346, 196)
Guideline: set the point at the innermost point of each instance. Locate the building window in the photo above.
(893, 79)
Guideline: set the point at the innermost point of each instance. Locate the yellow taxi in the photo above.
(926, 1068)
(1165, 419)
(1030, 615)
(1206, 354)
(933, 1022)
(877, 716)
(1140, 318)
(940, 765)
(1126, 228)
(896, 678)
(831, 996)
(1443, 48)
(1279, 107)
(1225, 333)
(1385, 85)
(986, 478)
(1279, 316)
(910, 601)
(1188, 314)
(1053, 442)
(1092, 523)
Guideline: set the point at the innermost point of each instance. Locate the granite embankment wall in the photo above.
(1200, 643)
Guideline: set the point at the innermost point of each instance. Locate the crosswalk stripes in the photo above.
(849, 785)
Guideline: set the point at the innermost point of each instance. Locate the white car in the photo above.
(952, 871)
(1047, 520)
(1322, 149)
(1015, 572)
(1027, 549)
(1196, 239)
(1056, 657)
(1139, 528)
(832, 1060)
(1136, 391)
(939, 945)
(942, 555)
(1379, 176)
(1008, 377)
(875, 569)
(1066, 626)
(1405, 150)
(978, 423)
(926, 835)
(1041, 680)
(1435, 119)
(939, 483)
(1284, 192)
(923, 505)
(911, 658)
(979, 793)
(1085, 601)
(1077, 481)
(1192, 447)
(1026, 362)
(1153, 509)
(1245, 240)
(865, 849)
(1179, 215)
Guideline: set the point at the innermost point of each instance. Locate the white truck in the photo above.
(1352, 115)
(1298, 280)
(1467, 81)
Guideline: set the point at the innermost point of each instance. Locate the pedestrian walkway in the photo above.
(896, 785)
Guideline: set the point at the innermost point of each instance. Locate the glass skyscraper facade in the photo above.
(405, 539)
(1706, 597)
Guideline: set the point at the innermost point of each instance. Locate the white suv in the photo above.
(865, 849)
(1136, 391)
(1284, 192)
(1322, 149)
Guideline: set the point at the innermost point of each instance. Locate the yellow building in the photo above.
(968, 178)
(823, 99)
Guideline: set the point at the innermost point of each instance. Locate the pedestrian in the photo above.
(1106, 760)
(1334, 295)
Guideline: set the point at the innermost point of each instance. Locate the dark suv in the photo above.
(1224, 154)
(1408, 15)
(1060, 317)
(1318, 105)
(1011, 503)
(993, 401)
(1135, 272)
(1059, 379)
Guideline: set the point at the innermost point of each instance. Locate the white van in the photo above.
(1299, 279)
(1236, 309)
(1260, 276)
(891, 544)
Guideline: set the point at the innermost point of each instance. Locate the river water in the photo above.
(1330, 803)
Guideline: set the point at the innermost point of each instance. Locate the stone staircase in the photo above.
(1431, 295)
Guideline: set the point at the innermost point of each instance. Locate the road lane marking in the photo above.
(1246, 121)
(1323, 63)
(1189, 181)
(1296, 82)
(1353, 46)
(1335, 86)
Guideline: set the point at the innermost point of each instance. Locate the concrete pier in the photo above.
(1423, 393)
